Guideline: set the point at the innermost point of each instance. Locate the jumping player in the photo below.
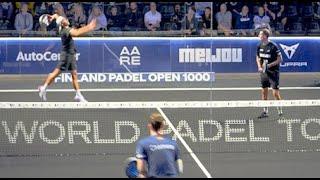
(67, 56)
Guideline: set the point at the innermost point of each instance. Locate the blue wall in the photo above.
(102, 55)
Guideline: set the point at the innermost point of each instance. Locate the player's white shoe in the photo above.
(80, 98)
(42, 93)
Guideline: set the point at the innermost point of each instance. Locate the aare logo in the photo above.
(289, 50)
(130, 57)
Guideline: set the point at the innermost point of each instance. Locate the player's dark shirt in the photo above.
(269, 52)
(67, 41)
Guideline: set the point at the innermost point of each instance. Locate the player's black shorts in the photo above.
(67, 62)
(270, 78)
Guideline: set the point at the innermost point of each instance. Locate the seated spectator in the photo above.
(69, 8)
(31, 7)
(176, 18)
(115, 21)
(86, 7)
(96, 12)
(200, 8)
(277, 12)
(6, 11)
(307, 14)
(261, 20)
(78, 19)
(43, 8)
(292, 14)
(24, 20)
(224, 19)
(59, 9)
(235, 9)
(272, 6)
(244, 21)
(190, 24)
(208, 23)
(134, 18)
(254, 6)
(152, 18)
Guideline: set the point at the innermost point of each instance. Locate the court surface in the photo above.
(226, 87)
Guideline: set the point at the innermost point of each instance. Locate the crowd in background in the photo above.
(191, 18)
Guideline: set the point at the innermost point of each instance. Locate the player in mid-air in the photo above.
(161, 153)
(67, 56)
(268, 62)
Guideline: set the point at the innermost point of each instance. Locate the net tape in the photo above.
(159, 104)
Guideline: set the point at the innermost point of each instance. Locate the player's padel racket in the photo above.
(131, 167)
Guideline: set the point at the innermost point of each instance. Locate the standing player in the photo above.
(161, 153)
(67, 56)
(268, 61)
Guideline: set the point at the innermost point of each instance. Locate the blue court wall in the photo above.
(148, 54)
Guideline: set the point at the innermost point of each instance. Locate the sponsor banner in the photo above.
(123, 55)
(138, 77)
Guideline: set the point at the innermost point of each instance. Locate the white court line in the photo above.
(205, 171)
(193, 155)
(153, 89)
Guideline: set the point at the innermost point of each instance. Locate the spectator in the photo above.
(208, 23)
(224, 19)
(307, 14)
(190, 24)
(70, 8)
(31, 7)
(152, 18)
(43, 8)
(254, 6)
(269, 13)
(96, 12)
(292, 14)
(6, 10)
(86, 7)
(134, 18)
(78, 18)
(59, 9)
(244, 21)
(115, 21)
(200, 8)
(261, 20)
(272, 6)
(176, 18)
(24, 20)
(277, 12)
(235, 9)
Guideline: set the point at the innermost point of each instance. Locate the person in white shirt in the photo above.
(262, 20)
(24, 20)
(97, 13)
(152, 18)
